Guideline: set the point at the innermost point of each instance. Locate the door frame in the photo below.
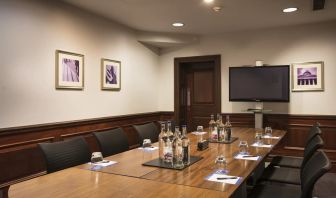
(180, 62)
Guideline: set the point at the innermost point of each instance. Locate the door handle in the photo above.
(188, 97)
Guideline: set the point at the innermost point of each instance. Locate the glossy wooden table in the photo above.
(74, 182)
(195, 174)
(128, 178)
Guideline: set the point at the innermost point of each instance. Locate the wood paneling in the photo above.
(20, 157)
(203, 86)
(298, 127)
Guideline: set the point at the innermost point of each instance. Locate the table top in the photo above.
(75, 182)
(129, 176)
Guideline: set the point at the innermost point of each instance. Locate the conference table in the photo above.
(129, 178)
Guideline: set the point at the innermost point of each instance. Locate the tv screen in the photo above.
(266, 83)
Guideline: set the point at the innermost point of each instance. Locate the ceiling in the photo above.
(199, 18)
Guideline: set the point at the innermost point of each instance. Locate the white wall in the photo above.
(284, 45)
(32, 30)
(30, 33)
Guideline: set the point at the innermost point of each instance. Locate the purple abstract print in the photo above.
(111, 74)
(307, 76)
(70, 70)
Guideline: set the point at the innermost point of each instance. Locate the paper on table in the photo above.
(270, 137)
(245, 157)
(214, 177)
(262, 145)
(152, 148)
(103, 163)
(199, 133)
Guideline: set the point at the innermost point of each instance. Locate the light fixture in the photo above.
(178, 24)
(286, 10)
(217, 8)
(208, 1)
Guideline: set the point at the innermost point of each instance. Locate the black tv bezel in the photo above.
(256, 99)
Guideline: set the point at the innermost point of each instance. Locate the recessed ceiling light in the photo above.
(178, 24)
(286, 10)
(217, 8)
(208, 1)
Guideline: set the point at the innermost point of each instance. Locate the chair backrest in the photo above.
(65, 154)
(112, 141)
(147, 131)
(314, 130)
(315, 168)
(315, 143)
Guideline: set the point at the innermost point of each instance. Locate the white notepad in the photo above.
(262, 145)
(103, 163)
(246, 157)
(152, 148)
(270, 137)
(223, 178)
(199, 133)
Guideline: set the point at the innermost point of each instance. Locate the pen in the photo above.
(222, 178)
(250, 156)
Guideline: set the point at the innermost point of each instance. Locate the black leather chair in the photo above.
(112, 141)
(315, 168)
(65, 154)
(147, 131)
(296, 162)
(292, 175)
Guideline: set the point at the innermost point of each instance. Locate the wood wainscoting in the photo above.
(297, 127)
(20, 158)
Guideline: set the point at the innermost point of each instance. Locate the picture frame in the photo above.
(110, 74)
(308, 76)
(69, 70)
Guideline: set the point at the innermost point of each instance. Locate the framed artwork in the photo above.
(307, 76)
(69, 70)
(110, 74)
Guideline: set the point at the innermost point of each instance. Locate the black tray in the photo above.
(225, 142)
(160, 163)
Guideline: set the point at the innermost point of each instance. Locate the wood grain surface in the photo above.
(128, 178)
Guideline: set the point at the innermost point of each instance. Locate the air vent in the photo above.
(318, 4)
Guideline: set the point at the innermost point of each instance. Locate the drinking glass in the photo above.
(243, 147)
(220, 162)
(199, 129)
(96, 157)
(199, 135)
(258, 137)
(146, 143)
(268, 131)
(146, 151)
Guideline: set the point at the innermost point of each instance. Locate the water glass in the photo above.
(268, 131)
(199, 135)
(243, 147)
(146, 152)
(220, 162)
(258, 137)
(146, 143)
(177, 129)
(199, 129)
(96, 157)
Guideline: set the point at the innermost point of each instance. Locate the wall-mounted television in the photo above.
(260, 84)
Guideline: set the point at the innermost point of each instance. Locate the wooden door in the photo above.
(199, 91)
